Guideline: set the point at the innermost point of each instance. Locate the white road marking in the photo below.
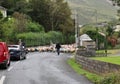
(2, 79)
(13, 66)
(10, 69)
(17, 62)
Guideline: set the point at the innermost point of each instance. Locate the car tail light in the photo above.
(5, 54)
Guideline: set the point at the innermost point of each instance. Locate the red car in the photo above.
(4, 55)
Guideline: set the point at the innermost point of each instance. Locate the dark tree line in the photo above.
(54, 15)
(116, 3)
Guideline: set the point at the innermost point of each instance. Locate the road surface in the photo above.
(41, 68)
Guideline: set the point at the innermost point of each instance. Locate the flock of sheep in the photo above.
(70, 48)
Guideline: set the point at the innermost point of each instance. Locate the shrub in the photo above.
(34, 27)
(113, 78)
(42, 38)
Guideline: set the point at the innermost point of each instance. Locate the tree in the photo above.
(34, 27)
(110, 30)
(9, 4)
(1, 30)
(1, 23)
(61, 17)
(20, 22)
(52, 14)
(21, 6)
(1, 15)
(8, 30)
(40, 13)
(116, 3)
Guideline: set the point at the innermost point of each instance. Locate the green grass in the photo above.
(111, 59)
(96, 79)
(78, 68)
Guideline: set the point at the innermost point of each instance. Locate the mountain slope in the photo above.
(89, 10)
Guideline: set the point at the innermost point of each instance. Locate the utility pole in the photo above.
(96, 29)
(105, 38)
(76, 28)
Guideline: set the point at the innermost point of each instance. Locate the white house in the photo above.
(117, 28)
(3, 11)
(86, 41)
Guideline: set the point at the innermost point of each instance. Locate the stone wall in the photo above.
(96, 66)
(85, 52)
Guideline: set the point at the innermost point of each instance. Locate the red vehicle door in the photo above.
(1, 52)
(4, 55)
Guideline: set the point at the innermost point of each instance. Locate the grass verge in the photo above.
(111, 59)
(78, 68)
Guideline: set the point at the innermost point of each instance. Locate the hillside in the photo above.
(88, 10)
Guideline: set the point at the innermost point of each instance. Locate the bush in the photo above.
(55, 36)
(111, 79)
(42, 38)
(34, 27)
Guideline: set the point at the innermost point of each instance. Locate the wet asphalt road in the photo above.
(41, 68)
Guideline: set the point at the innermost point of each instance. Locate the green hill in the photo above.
(88, 10)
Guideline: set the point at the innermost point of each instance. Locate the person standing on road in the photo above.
(58, 46)
(23, 44)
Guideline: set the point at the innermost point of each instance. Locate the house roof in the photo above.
(85, 37)
(2, 8)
